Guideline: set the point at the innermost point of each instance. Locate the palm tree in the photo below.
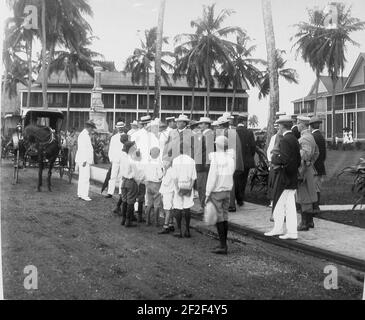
(63, 23)
(156, 107)
(44, 56)
(17, 34)
(241, 68)
(186, 65)
(253, 121)
(334, 47)
(71, 62)
(272, 67)
(209, 43)
(309, 40)
(287, 74)
(14, 76)
(140, 64)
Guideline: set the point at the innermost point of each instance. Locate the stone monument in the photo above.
(97, 113)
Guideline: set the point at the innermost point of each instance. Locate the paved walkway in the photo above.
(327, 236)
(329, 239)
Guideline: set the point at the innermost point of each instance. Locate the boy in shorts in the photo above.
(154, 172)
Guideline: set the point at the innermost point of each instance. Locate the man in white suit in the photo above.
(115, 151)
(84, 158)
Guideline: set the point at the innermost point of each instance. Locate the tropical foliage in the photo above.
(140, 63)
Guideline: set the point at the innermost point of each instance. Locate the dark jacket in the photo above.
(248, 146)
(295, 131)
(321, 143)
(288, 158)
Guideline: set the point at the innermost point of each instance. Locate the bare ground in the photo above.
(82, 252)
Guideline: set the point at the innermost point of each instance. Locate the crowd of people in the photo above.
(158, 168)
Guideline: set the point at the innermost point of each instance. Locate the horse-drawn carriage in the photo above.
(38, 142)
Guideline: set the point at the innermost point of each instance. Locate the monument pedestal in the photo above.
(97, 113)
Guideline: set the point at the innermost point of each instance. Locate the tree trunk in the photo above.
(156, 107)
(68, 106)
(273, 68)
(233, 100)
(148, 91)
(207, 76)
(333, 104)
(316, 94)
(30, 67)
(44, 56)
(192, 103)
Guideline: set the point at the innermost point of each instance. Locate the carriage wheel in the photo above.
(16, 168)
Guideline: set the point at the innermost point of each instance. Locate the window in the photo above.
(339, 102)
(329, 126)
(361, 99)
(350, 101)
(240, 105)
(297, 107)
(108, 100)
(361, 125)
(329, 103)
(198, 104)
(171, 102)
(218, 104)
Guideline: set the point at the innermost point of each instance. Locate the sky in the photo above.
(119, 24)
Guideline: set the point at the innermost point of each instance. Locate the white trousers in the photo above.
(285, 208)
(84, 181)
(113, 178)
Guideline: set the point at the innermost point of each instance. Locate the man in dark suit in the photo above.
(248, 148)
(286, 162)
(315, 123)
(294, 128)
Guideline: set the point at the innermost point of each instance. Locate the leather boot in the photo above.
(178, 217)
(157, 216)
(303, 226)
(222, 239)
(316, 208)
(187, 215)
(140, 212)
(124, 213)
(117, 209)
(310, 222)
(130, 213)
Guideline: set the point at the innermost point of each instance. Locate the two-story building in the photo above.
(349, 102)
(127, 101)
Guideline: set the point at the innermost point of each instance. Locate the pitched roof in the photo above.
(116, 79)
(355, 68)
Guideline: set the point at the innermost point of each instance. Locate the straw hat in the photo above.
(315, 120)
(182, 118)
(120, 124)
(145, 119)
(284, 119)
(204, 120)
(305, 120)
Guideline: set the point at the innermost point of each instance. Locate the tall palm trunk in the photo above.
(333, 105)
(273, 68)
(316, 94)
(148, 91)
(207, 76)
(68, 106)
(44, 57)
(156, 107)
(233, 100)
(30, 67)
(192, 103)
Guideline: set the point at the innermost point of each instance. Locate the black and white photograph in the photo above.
(181, 156)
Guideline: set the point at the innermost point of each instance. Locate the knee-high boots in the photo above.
(178, 217)
(187, 215)
(222, 228)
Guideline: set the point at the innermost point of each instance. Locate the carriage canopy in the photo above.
(43, 118)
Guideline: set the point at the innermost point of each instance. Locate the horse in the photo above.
(46, 143)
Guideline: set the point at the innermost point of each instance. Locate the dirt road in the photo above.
(81, 252)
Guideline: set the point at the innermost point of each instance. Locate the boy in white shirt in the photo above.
(154, 172)
(219, 186)
(184, 173)
(167, 193)
(132, 175)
